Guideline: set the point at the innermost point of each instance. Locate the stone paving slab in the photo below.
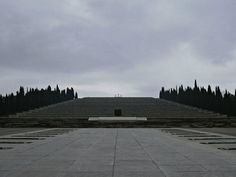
(115, 153)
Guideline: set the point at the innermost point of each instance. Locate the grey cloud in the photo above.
(125, 43)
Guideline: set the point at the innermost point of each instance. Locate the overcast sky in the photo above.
(105, 47)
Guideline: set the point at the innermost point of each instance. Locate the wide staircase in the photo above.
(77, 112)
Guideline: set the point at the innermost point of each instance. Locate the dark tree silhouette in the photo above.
(33, 98)
(76, 95)
(202, 98)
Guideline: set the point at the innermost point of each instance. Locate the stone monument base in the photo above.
(117, 118)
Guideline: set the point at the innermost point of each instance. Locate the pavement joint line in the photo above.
(212, 133)
(5, 148)
(153, 161)
(45, 142)
(96, 142)
(210, 139)
(219, 142)
(191, 143)
(115, 150)
(92, 144)
(227, 149)
(46, 155)
(59, 148)
(37, 131)
(34, 131)
(15, 142)
(12, 138)
(216, 149)
(145, 137)
(31, 134)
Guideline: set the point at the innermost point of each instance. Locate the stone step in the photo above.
(131, 107)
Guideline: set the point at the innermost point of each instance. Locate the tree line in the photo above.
(34, 98)
(213, 100)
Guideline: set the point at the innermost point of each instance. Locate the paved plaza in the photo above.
(116, 153)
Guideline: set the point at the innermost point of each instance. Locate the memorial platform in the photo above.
(117, 112)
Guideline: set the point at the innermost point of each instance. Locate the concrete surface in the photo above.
(117, 119)
(114, 153)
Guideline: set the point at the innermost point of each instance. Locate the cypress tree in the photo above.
(76, 95)
(202, 98)
(33, 98)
